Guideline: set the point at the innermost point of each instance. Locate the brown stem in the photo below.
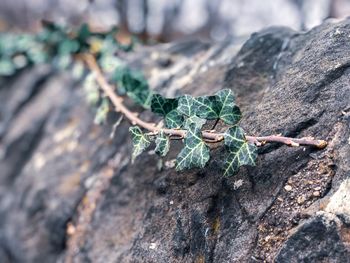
(306, 141)
(208, 136)
(216, 123)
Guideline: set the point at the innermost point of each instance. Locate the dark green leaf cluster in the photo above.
(133, 84)
(18, 51)
(57, 45)
(190, 114)
(167, 108)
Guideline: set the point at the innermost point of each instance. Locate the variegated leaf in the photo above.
(168, 109)
(220, 106)
(195, 153)
(187, 108)
(140, 141)
(240, 152)
(162, 144)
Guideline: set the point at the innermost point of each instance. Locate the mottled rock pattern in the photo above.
(70, 194)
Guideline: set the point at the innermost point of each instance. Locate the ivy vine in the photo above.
(93, 57)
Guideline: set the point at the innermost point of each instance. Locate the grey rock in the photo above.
(319, 239)
(292, 83)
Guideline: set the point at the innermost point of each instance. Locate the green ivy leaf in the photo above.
(117, 77)
(102, 111)
(187, 108)
(220, 106)
(84, 33)
(229, 112)
(140, 141)
(195, 153)
(109, 63)
(68, 46)
(240, 151)
(173, 120)
(186, 105)
(198, 122)
(162, 144)
(163, 106)
(135, 86)
(167, 108)
(207, 107)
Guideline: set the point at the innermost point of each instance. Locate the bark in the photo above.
(70, 194)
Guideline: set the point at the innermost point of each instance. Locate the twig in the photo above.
(306, 141)
(210, 137)
(216, 123)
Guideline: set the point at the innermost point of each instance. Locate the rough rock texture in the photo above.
(69, 193)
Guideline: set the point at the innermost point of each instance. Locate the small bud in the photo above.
(321, 144)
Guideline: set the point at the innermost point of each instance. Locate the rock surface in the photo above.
(70, 194)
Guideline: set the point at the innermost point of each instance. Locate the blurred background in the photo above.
(166, 20)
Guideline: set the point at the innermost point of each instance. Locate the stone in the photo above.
(287, 82)
(316, 193)
(316, 240)
(288, 188)
(339, 203)
(301, 200)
